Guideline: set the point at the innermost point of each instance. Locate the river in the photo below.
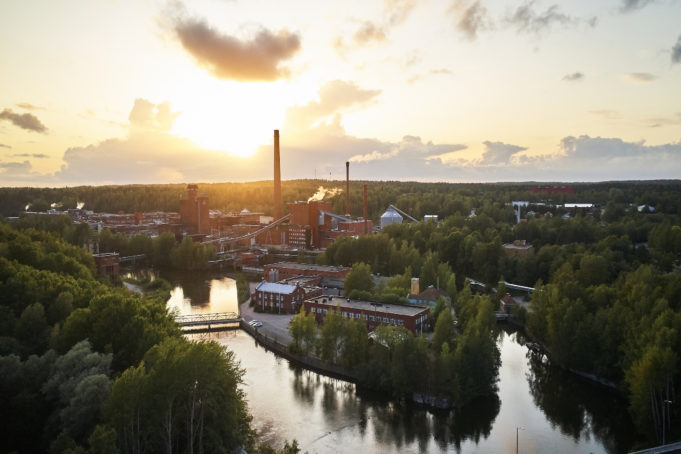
(549, 409)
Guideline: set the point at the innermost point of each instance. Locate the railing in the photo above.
(217, 318)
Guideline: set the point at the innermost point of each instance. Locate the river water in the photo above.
(550, 410)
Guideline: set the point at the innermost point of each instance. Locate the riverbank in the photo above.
(544, 349)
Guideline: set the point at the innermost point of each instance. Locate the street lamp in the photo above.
(516, 437)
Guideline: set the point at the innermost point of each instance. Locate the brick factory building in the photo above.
(519, 248)
(279, 297)
(283, 270)
(550, 190)
(410, 317)
(194, 212)
(108, 264)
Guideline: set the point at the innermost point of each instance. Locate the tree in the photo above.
(358, 278)
(444, 330)
(303, 330)
(331, 336)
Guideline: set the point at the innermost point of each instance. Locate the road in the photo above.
(273, 326)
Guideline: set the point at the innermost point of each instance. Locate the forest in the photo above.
(417, 199)
(460, 364)
(607, 298)
(607, 301)
(90, 367)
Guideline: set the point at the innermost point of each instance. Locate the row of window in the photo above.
(371, 318)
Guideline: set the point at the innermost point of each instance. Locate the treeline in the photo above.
(162, 251)
(608, 284)
(417, 199)
(460, 364)
(627, 331)
(86, 367)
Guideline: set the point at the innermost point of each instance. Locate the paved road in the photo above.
(273, 325)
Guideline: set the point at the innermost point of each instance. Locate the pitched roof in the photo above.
(429, 294)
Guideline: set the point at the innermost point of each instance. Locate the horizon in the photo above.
(451, 91)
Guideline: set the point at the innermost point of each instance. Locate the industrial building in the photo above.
(282, 298)
(374, 314)
(519, 248)
(194, 214)
(284, 270)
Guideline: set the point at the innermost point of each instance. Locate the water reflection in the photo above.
(215, 295)
(579, 409)
(559, 413)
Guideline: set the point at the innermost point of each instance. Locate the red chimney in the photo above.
(366, 210)
(347, 188)
(278, 210)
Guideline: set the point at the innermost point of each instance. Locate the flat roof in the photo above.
(333, 301)
(517, 246)
(308, 266)
(272, 287)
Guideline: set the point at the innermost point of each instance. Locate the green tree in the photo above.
(303, 330)
(358, 278)
(444, 330)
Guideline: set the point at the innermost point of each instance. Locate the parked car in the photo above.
(255, 323)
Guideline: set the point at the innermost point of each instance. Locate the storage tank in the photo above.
(390, 217)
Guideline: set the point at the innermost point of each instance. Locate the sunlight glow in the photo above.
(231, 117)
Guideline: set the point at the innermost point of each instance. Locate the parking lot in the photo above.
(274, 326)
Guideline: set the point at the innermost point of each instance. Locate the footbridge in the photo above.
(207, 320)
(232, 240)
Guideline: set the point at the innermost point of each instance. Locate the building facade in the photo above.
(275, 272)
(282, 298)
(374, 314)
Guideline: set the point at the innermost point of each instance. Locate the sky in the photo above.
(157, 91)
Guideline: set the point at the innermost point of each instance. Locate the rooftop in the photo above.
(308, 266)
(333, 301)
(273, 287)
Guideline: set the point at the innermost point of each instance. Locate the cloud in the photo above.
(374, 156)
(31, 155)
(471, 17)
(19, 172)
(147, 115)
(2, 145)
(334, 96)
(398, 10)
(29, 106)
(676, 51)
(526, 19)
(25, 121)
(258, 58)
(369, 32)
(633, 5)
(573, 77)
(639, 78)
(499, 152)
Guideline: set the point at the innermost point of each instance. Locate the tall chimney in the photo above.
(277, 178)
(347, 188)
(366, 210)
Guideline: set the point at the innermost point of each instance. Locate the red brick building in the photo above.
(374, 314)
(283, 270)
(283, 298)
(194, 212)
(519, 248)
(108, 264)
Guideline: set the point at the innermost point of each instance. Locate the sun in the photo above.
(235, 119)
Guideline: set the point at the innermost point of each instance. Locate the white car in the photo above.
(255, 323)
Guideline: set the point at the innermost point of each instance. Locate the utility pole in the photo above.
(665, 402)
(516, 438)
